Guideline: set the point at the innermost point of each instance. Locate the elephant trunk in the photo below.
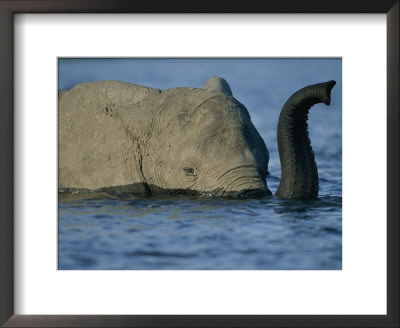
(299, 178)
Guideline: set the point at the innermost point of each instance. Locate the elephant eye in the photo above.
(189, 171)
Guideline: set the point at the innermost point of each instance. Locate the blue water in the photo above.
(103, 231)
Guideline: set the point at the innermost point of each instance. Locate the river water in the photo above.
(114, 232)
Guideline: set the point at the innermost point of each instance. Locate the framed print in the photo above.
(94, 234)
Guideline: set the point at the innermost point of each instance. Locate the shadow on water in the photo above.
(293, 206)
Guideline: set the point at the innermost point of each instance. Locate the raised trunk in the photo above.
(299, 178)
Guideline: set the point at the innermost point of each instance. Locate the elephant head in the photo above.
(205, 143)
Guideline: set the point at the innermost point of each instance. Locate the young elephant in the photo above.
(122, 137)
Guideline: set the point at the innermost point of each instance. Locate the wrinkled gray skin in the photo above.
(126, 138)
(299, 178)
(218, 84)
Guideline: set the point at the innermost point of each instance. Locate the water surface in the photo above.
(188, 233)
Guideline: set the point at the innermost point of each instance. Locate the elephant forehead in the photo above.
(217, 113)
(233, 139)
(197, 107)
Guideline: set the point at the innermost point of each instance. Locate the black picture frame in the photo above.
(7, 10)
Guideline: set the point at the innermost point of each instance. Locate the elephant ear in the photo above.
(218, 84)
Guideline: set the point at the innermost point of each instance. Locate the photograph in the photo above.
(199, 163)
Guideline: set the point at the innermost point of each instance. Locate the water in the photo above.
(185, 233)
(104, 231)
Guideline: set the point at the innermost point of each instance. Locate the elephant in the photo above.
(126, 138)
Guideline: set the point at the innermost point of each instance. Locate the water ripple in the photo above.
(209, 233)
